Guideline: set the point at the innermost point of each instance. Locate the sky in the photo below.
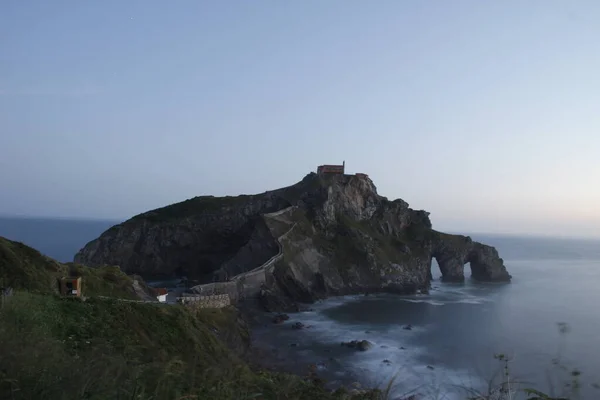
(484, 113)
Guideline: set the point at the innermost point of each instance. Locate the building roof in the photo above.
(161, 291)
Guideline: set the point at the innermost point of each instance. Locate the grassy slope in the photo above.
(104, 349)
(58, 348)
(22, 267)
(190, 207)
(55, 348)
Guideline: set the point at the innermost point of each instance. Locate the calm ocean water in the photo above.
(456, 329)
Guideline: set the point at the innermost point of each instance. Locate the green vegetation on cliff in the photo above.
(54, 348)
(190, 207)
(22, 267)
(110, 348)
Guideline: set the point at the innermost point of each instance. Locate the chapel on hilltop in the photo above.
(329, 169)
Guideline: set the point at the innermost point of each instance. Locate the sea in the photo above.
(546, 323)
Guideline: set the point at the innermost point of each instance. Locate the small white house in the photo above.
(161, 295)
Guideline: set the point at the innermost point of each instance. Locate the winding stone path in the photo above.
(248, 281)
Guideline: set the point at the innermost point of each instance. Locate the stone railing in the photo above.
(277, 256)
(247, 283)
(199, 301)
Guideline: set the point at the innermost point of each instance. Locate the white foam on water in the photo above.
(432, 302)
(471, 301)
(404, 366)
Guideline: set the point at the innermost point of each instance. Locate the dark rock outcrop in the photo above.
(298, 325)
(272, 300)
(325, 236)
(280, 318)
(362, 345)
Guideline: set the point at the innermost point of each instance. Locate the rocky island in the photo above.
(329, 234)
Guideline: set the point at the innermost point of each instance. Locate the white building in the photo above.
(161, 295)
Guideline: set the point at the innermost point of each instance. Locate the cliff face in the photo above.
(340, 237)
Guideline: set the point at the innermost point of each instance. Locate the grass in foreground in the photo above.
(55, 348)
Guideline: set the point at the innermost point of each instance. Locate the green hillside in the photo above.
(24, 268)
(107, 348)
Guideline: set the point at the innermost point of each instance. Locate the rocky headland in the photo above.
(326, 235)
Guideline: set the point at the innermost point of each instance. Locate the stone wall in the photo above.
(248, 284)
(214, 301)
(230, 288)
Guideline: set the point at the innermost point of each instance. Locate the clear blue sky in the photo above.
(485, 113)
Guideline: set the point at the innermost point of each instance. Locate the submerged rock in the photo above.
(407, 327)
(297, 325)
(280, 318)
(362, 345)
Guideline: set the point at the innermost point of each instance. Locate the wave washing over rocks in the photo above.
(393, 354)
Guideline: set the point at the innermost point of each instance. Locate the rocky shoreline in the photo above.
(277, 355)
(274, 356)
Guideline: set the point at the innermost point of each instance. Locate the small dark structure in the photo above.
(361, 175)
(331, 169)
(70, 287)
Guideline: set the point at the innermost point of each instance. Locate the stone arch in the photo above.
(451, 266)
(453, 252)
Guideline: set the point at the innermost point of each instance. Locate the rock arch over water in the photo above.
(452, 252)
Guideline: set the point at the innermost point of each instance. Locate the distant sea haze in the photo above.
(456, 329)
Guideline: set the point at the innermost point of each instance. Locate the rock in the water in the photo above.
(430, 367)
(388, 362)
(298, 325)
(407, 327)
(362, 345)
(280, 318)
